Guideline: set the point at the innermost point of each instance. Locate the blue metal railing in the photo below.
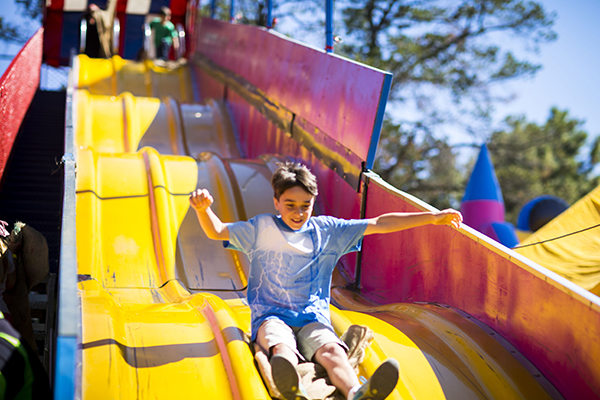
(329, 26)
(67, 372)
(270, 14)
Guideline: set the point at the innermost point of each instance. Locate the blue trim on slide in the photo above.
(64, 380)
(329, 26)
(213, 9)
(270, 14)
(383, 99)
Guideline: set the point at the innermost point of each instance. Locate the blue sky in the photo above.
(569, 78)
(10, 13)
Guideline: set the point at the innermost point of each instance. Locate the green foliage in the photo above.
(532, 160)
(30, 10)
(415, 161)
(447, 45)
(249, 12)
(454, 51)
(9, 32)
(434, 48)
(446, 58)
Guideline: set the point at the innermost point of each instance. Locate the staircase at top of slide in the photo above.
(163, 307)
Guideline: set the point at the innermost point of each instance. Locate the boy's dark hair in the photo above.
(291, 174)
(165, 11)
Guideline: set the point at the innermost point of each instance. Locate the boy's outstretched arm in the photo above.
(394, 222)
(213, 227)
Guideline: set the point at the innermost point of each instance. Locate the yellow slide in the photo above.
(164, 314)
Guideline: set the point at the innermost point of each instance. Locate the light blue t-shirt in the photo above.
(290, 271)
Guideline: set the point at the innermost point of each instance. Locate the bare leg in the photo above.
(285, 351)
(335, 361)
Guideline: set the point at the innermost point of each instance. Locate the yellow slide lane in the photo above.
(116, 75)
(139, 345)
(163, 312)
(125, 123)
(141, 325)
(466, 360)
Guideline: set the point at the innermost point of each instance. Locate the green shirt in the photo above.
(162, 31)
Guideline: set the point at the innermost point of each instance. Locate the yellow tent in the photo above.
(575, 253)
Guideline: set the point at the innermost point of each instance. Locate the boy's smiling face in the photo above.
(295, 206)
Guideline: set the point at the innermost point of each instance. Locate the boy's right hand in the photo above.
(200, 199)
(448, 217)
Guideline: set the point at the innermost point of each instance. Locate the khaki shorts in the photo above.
(305, 340)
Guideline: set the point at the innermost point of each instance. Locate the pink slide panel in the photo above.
(258, 136)
(209, 88)
(337, 95)
(552, 322)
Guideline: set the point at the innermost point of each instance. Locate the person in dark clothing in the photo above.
(22, 376)
(92, 38)
(99, 33)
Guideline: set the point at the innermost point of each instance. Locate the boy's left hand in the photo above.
(448, 216)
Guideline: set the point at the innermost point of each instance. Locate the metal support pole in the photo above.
(232, 12)
(270, 14)
(213, 8)
(329, 26)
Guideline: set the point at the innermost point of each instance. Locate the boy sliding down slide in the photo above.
(292, 257)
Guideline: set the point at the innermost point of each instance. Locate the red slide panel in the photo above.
(554, 323)
(17, 88)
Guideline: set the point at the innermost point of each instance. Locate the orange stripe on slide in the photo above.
(209, 313)
(113, 80)
(158, 251)
(125, 129)
(172, 124)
